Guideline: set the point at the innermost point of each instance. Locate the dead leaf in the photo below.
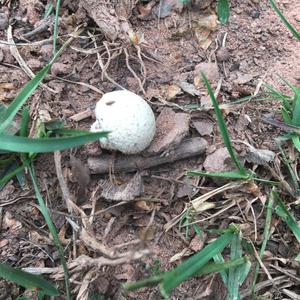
(171, 128)
(172, 91)
(81, 173)
(147, 233)
(210, 70)
(10, 223)
(196, 243)
(204, 127)
(242, 78)
(188, 88)
(143, 205)
(3, 243)
(124, 192)
(186, 189)
(260, 156)
(203, 206)
(180, 255)
(218, 161)
(145, 10)
(166, 7)
(203, 29)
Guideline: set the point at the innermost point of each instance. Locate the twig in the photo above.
(189, 148)
(15, 53)
(101, 64)
(40, 28)
(132, 72)
(64, 188)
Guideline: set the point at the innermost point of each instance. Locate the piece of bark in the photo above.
(111, 16)
(124, 192)
(171, 128)
(189, 148)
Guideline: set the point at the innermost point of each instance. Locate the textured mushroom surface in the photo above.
(129, 119)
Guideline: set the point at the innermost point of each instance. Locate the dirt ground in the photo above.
(170, 44)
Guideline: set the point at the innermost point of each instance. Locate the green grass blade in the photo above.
(24, 122)
(224, 274)
(7, 117)
(192, 265)
(223, 11)
(229, 174)
(298, 257)
(296, 110)
(27, 280)
(221, 267)
(291, 28)
(148, 282)
(296, 142)
(207, 269)
(223, 128)
(286, 116)
(43, 145)
(293, 176)
(56, 21)
(266, 237)
(7, 161)
(45, 212)
(69, 132)
(48, 10)
(282, 126)
(12, 172)
(233, 283)
(244, 271)
(287, 217)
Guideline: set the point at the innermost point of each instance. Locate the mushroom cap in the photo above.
(129, 119)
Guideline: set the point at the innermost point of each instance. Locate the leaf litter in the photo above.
(154, 59)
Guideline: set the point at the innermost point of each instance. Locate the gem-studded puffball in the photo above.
(129, 119)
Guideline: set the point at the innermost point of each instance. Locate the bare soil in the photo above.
(254, 47)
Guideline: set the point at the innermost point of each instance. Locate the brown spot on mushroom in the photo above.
(110, 102)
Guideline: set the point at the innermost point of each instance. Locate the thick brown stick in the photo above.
(129, 163)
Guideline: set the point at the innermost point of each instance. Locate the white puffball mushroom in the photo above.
(129, 119)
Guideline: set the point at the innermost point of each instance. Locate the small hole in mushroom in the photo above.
(110, 102)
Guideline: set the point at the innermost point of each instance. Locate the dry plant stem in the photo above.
(254, 219)
(262, 285)
(91, 87)
(143, 68)
(65, 191)
(64, 188)
(83, 292)
(262, 264)
(221, 211)
(92, 243)
(108, 227)
(81, 115)
(281, 179)
(189, 148)
(15, 53)
(294, 277)
(200, 200)
(93, 199)
(101, 64)
(110, 207)
(132, 72)
(84, 261)
(41, 28)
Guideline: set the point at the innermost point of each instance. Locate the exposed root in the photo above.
(132, 72)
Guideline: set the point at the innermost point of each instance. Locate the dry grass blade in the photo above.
(15, 53)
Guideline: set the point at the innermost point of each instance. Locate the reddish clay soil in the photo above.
(253, 48)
